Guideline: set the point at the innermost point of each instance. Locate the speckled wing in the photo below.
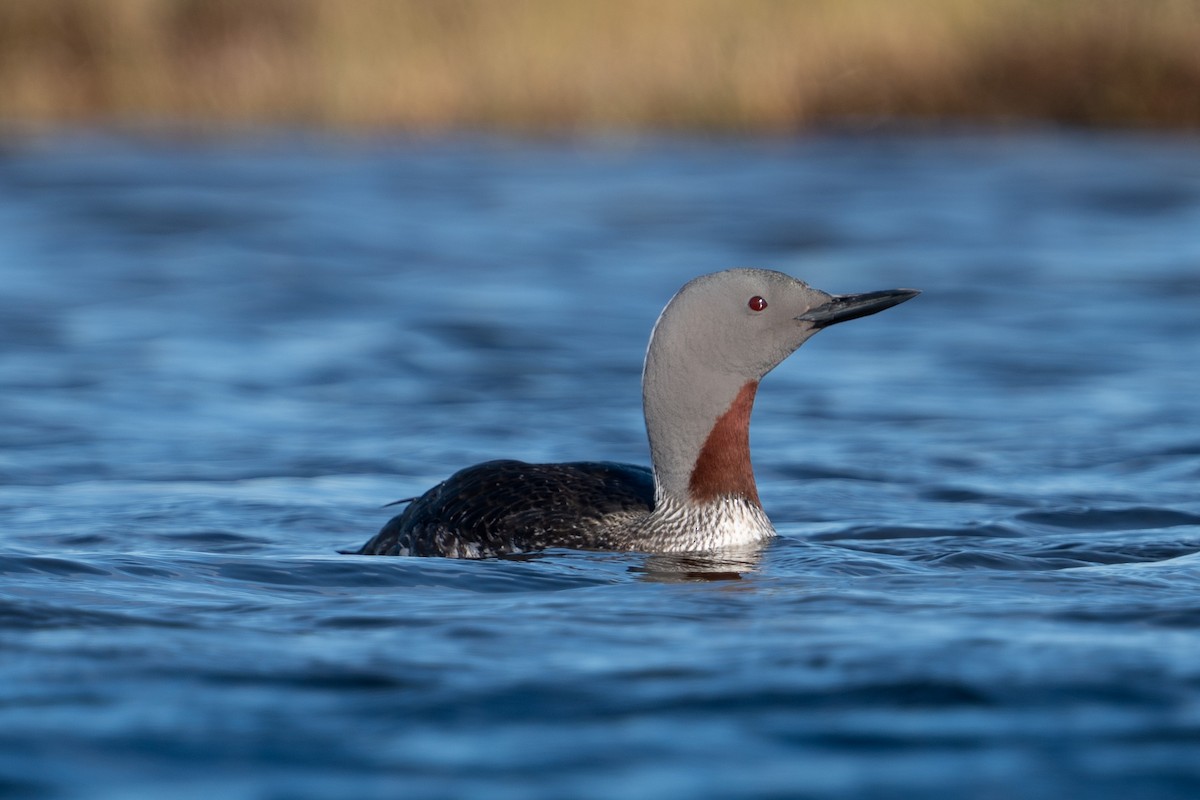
(501, 507)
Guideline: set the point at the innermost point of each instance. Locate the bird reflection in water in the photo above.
(730, 564)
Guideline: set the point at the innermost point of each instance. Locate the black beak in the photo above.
(844, 307)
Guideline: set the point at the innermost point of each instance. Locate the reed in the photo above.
(584, 65)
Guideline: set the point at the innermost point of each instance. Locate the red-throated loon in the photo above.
(717, 337)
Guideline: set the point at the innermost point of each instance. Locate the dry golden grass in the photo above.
(555, 65)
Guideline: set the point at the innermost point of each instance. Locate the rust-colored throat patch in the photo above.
(723, 467)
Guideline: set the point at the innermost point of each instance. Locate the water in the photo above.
(220, 359)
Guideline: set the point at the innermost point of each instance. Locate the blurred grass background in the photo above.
(567, 65)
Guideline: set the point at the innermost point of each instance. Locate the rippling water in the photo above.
(220, 359)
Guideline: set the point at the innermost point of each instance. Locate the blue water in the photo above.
(221, 358)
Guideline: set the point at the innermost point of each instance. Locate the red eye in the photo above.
(757, 303)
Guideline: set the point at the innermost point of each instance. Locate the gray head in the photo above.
(717, 337)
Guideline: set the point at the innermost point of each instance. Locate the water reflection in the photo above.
(720, 565)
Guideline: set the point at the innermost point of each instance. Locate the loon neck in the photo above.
(700, 440)
(699, 428)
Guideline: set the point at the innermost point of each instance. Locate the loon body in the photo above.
(712, 344)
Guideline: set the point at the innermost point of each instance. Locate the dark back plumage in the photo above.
(501, 507)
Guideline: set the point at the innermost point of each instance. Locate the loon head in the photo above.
(715, 340)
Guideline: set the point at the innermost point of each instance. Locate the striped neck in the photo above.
(682, 526)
